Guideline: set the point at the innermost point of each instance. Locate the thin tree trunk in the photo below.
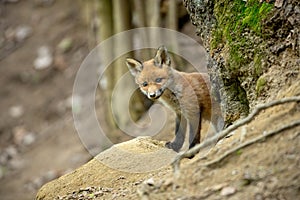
(172, 15)
(122, 22)
(153, 20)
(106, 31)
(141, 21)
(140, 10)
(89, 16)
(172, 23)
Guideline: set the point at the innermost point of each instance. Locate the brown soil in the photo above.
(42, 95)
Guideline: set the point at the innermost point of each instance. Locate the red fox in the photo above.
(187, 94)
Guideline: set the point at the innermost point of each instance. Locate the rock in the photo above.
(21, 136)
(278, 3)
(288, 10)
(227, 191)
(44, 59)
(98, 172)
(7, 155)
(149, 182)
(84, 193)
(22, 32)
(11, 151)
(215, 187)
(29, 139)
(18, 34)
(234, 172)
(138, 182)
(16, 111)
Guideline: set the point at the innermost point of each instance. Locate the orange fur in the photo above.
(187, 94)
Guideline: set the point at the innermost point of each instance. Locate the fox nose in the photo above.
(152, 95)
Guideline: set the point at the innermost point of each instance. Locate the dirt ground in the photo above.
(38, 141)
(266, 169)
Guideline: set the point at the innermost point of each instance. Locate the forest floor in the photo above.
(38, 141)
(266, 168)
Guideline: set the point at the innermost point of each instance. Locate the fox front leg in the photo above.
(180, 129)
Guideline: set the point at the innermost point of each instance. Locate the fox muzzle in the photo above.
(155, 95)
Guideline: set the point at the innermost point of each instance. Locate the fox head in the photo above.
(152, 76)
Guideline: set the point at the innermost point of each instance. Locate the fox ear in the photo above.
(162, 57)
(134, 66)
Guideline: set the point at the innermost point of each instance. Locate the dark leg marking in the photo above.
(180, 129)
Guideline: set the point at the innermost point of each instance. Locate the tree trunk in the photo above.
(122, 22)
(172, 23)
(140, 20)
(153, 20)
(105, 13)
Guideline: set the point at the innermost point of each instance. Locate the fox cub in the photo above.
(187, 94)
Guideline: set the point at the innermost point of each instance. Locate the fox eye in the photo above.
(145, 84)
(158, 80)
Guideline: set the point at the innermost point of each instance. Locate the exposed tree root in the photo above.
(252, 141)
(222, 134)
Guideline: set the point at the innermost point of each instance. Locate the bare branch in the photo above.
(222, 134)
(254, 140)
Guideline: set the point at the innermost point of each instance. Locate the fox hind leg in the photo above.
(195, 129)
(180, 129)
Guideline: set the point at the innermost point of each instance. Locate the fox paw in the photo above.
(172, 145)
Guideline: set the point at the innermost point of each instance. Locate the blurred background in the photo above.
(42, 45)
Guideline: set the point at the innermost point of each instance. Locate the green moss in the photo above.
(260, 83)
(254, 13)
(236, 21)
(217, 38)
(239, 152)
(258, 70)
